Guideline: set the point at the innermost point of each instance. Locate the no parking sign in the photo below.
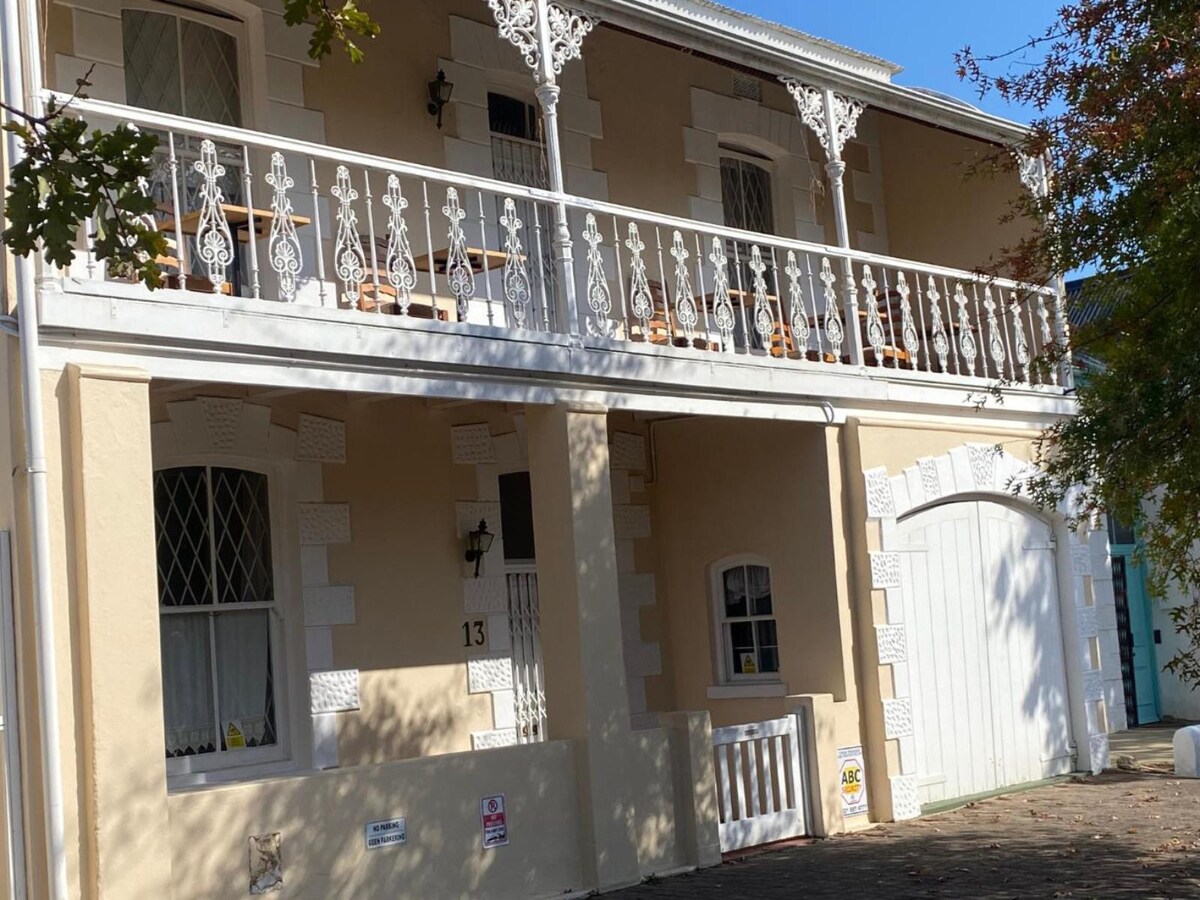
(853, 781)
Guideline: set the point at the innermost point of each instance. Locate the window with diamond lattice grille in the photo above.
(746, 195)
(181, 65)
(218, 616)
(746, 198)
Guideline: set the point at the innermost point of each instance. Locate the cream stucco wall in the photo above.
(724, 487)
(320, 819)
(939, 210)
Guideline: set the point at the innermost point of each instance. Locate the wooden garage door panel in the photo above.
(985, 658)
(948, 675)
(1029, 693)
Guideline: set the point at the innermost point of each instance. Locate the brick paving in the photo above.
(1119, 835)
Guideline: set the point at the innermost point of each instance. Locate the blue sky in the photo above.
(920, 35)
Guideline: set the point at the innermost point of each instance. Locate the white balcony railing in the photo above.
(286, 221)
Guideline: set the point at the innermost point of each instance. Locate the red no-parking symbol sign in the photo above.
(494, 821)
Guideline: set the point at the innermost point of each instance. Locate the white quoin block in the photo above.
(1186, 745)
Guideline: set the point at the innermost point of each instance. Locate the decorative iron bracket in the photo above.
(832, 117)
(547, 35)
(1031, 170)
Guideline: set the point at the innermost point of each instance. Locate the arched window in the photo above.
(183, 61)
(747, 640)
(218, 617)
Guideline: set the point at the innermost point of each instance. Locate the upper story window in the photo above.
(746, 191)
(517, 154)
(219, 623)
(185, 63)
(745, 618)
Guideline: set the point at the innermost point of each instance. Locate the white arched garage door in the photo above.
(985, 652)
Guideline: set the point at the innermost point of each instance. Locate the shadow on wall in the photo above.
(321, 819)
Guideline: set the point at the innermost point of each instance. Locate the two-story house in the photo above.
(555, 458)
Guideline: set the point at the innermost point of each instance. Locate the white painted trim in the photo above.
(361, 353)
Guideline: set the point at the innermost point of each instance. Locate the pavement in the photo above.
(1117, 835)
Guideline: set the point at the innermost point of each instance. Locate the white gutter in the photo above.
(28, 57)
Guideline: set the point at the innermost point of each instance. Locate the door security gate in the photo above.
(762, 785)
(529, 687)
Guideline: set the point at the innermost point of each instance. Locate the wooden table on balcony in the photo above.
(242, 220)
(440, 260)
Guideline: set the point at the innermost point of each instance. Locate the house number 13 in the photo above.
(473, 634)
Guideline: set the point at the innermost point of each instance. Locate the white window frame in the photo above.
(245, 25)
(722, 646)
(285, 629)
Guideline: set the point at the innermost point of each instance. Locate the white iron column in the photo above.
(833, 119)
(549, 36)
(567, 304)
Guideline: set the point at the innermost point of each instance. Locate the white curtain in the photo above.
(759, 578)
(752, 582)
(187, 684)
(244, 683)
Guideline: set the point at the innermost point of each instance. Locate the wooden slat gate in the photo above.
(762, 789)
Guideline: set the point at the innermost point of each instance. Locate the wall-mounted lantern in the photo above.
(440, 91)
(479, 542)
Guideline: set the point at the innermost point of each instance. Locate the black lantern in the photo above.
(439, 95)
(479, 542)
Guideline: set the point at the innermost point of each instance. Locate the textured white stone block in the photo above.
(905, 797)
(897, 718)
(335, 691)
(893, 644)
(982, 458)
(627, 451)
(321, 440)
(631, 521)
(492, 672)
(222, 420)
(489, 740)
(880, 502)
(885, 570)
(472, 444)
(324, 523)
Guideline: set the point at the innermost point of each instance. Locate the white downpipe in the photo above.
(28, 57)
(12, 738)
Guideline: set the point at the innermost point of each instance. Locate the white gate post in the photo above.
(696, 814)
